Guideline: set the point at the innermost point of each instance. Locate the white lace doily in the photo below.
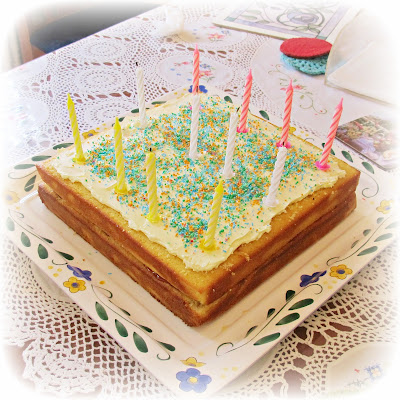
(67, 353)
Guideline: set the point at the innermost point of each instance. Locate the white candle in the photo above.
(140, 90)
(194, 127)
(270, 200)
(230, 146)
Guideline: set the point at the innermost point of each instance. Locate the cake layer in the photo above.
(185, 187)
(205, 287)
(188, 309)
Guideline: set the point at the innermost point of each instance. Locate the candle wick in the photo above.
(150, 149)
(137, 64)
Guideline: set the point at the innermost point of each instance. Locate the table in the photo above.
(344, 347)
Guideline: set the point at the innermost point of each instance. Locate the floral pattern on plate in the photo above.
(157, 341)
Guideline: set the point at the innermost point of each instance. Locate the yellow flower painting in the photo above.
(340, 271)
(75, 285)
(10, 197)
(385, 206)
(192, 362)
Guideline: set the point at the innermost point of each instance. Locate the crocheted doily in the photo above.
(66, 352)
(310, 66)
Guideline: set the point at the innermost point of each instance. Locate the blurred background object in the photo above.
(363, 59)
(49, 26)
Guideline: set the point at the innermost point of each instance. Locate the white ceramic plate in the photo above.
(203, 359)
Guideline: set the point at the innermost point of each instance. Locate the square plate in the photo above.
(206, 358)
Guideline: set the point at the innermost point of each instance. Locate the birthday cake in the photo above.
(167, 255)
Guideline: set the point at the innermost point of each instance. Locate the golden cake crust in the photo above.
(204, 287)
(189, 310)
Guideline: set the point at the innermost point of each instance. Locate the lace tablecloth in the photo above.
(343, 347)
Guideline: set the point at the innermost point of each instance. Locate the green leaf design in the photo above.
(101, 311)
(251, 330)
(249, 17)
(43, 253)
(288, 319)
(270, 312)
(267, 339)
(368, 167)
(135, 111)
(62, 146)
(354, 243)
(158, 102)
(167, 346)
(40, 158)
(264, 114)
(227, 98)
(30, 184)
(10, 224)
(368, 251)
(47, 240)
(65, 255)
(379, 220)
(301, 304)
(290, 294)
(301, 28)
(366, 232)
(124, 311)
(146, 328)
(347, 156)
(23, 166)
(383, 237)
(121, 328)
(393, 225)
(230, 344)
(140, 343)
(121, 119)
(25, 240)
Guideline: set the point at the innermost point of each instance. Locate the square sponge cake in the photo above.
(166, 258)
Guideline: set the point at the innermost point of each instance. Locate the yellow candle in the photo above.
(153, 215)
(79, 157)
(121, 187)
(208, 242)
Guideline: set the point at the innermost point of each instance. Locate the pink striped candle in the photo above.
(286, 117)
(245, 105)
(322, 164)
(196, 70)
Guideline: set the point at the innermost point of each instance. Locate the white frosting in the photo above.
(245, 226)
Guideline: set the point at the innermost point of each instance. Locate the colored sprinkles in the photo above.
(186, 187)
